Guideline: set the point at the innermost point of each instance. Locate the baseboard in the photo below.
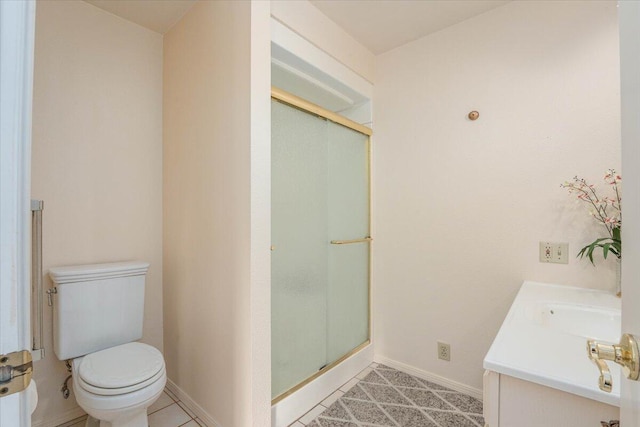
(59, 419)
(192, 405)
(437, 379)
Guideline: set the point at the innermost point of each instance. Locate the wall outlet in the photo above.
(444, 351)
(557, 253)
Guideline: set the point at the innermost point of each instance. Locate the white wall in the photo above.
(216, 211)
(460, 205)
(97, 159)
(309, 22)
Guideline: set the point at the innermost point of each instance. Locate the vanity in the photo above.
(537, 371)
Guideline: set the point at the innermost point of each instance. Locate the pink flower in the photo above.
(614, 221)
(605, 210)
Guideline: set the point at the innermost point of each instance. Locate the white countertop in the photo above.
(536, 343)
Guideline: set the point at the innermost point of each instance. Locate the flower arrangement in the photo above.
(605, 210)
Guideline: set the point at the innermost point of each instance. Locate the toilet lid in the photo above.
(122, 366)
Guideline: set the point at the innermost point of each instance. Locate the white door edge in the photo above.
(17, 31)
(629, 18)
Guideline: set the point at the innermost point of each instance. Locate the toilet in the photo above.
(98, 313)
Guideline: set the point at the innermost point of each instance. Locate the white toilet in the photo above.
(97, 314)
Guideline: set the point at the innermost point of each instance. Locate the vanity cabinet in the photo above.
(512, 402)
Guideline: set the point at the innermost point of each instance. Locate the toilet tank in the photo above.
(97, 306)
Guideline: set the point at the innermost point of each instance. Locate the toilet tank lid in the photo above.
(83, 273)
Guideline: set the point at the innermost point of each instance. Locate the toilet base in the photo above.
(136, 420)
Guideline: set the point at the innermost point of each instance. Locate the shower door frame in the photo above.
(310, 108)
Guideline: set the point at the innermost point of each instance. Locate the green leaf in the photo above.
(606, 248)
(616, 234)
(607, 244)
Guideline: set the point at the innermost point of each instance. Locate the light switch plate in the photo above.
(557, 253)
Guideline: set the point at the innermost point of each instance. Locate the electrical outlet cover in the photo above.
(444, 351)
(557, 253)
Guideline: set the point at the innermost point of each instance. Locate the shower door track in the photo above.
(317, 110)
(308, 107)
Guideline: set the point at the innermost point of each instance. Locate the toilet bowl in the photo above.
(98, 313)
(117, 385)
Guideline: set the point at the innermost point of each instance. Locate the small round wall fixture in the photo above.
(473, 115)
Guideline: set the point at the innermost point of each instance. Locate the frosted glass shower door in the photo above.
(320, 256)
(348, 215)
(300, 250)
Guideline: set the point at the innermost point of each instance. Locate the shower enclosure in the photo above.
(321, 241)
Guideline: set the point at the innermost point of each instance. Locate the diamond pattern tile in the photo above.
(373, 377)
(385, 393)
(426, 399)
(463, 402)
(357, 393)
(387, 397)
(367, 412)
(451, 419)
(337, 411)
(408, 417)
(401, 379)
(324, 422)
(478, 419)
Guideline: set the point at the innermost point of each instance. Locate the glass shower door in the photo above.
(320, 257)
(348, 217)
(300, 253)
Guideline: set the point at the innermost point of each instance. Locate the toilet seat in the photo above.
(102, 407)
(118, 370)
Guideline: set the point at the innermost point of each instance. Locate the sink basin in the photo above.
(543, 339)
(599, 323)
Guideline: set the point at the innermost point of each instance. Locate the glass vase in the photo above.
(619, 277)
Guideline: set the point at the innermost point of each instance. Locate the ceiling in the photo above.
(379, 25)
(156, 15)
(382, 25)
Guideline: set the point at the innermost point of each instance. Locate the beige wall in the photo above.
(460, 206)
(97, 159)
(216, 240)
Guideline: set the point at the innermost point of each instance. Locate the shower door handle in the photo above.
(348, 242)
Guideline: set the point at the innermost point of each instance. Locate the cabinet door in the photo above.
(525, 404)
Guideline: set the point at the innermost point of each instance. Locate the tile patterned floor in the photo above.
(167, 411)
(377, 396)
(383, 396)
